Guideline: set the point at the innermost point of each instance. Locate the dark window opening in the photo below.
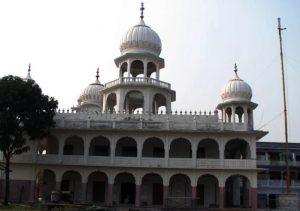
(129, 151)
(68, 149)
(158, 152)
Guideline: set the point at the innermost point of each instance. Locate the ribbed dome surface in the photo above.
(91, 94)
(236, 90)
(141, 38)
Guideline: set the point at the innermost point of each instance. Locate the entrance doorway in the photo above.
(98, 191)
(128, 193)
(157, 194)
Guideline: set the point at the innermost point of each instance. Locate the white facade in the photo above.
(125, 147)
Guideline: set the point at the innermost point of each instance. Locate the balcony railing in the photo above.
(277, 183)
(137, 81)
(147, 162)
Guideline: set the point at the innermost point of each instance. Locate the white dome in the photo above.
(141, 38)
(91, 96)
(236, 90)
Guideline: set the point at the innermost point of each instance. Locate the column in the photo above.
(145, 63)
(112, 150)
(109, 198)
(245, 118)
(194, 196)
(165, 200)
(167, 149)
(194, 153)
(221, 197)
(157, 72)
(139, 151)
(233, 116)
(120, 71)
(83, 192)
(128, 67)
(137, 195)
(254, 198)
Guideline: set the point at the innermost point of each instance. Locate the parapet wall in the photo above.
(162, 121)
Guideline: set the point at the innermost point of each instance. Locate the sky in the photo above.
(66, 40)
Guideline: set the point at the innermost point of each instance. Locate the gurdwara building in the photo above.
(122, 145)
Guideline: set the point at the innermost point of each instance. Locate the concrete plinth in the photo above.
(287, 202)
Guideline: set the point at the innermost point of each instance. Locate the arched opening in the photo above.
(159, 103)
(45, 184)
(73, 146)
(239, 112)
(124, 189)
(180, 148)
(71, 182)
(207, 191)
(48, 146)
(153, 147)
(180, 191)
(137, 68)
(133, 100)
(237, 149)
(97, 187)
(228, 114)
(208, 148)
(99, 146)
(151, 68)
(126, 147)
(111, 102)
(237, 192)
(152, 190)
(123, 69)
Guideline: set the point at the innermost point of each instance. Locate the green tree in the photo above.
(25, 113)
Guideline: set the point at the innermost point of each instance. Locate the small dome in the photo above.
(236, 90)
(141, 38)
(91, 97)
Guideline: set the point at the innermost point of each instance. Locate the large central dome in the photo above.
(140, 38)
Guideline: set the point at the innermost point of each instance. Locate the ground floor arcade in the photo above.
(142, 188)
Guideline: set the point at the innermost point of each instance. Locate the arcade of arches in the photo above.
(148, 189)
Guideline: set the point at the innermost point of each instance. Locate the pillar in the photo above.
(157, 72)
(128, 67)
(137, 195)
(194, 196)
(145, 63)
(165, 194)
(109, 198)
(254, 198)
(83, 192)
(221, 197)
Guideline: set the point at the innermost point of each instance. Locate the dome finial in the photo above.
(97, 74)
(236, 70)
(28, 74)
(142, 10)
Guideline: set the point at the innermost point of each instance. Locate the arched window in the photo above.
(180, 148)
(74, 146)
(153, 147)
(237, 149)
(99, 146)
(126, 147)
(134, 100)
(208, 148)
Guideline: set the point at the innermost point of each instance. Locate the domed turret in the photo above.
(236, 90)
(91, 97)
(141, 38)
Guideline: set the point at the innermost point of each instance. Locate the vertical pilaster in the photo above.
(254, 198)
(137, 195)
(109, 199)
(194, 196)
(165, 195)
(128, 67)
(221, 197)
(145, 63)
(83, 192)
(157, 72)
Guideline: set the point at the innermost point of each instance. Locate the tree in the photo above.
(25, 113)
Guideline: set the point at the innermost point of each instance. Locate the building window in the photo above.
(68, 149)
